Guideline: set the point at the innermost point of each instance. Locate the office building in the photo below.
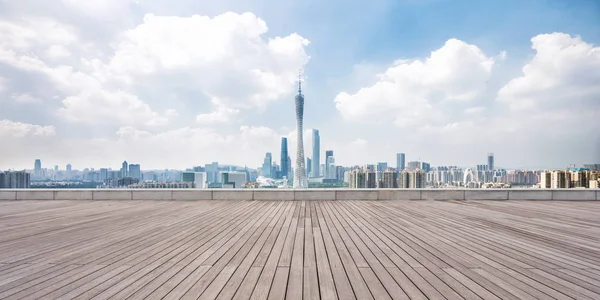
(103, 174)
(15, 180)
(309, 167)
(124, 169)
(490, 161)
(135, 171)
(330, 172)
(212, 171)
(328, 153)
(300, 180)
(316, 154)
(400, 162)
(284, 158)
(267, 165)
(37, 168)
(233, 180)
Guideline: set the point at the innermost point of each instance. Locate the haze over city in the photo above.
(93, 83)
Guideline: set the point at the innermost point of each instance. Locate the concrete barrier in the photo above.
(574, 195)
(486, 194)
(157, 194)
(443, 195)
(314, 194)
(274, 194)
(185, 194)
(530, 194)
(389, 194)
(112, 195)
(8, 195)
(73, 195)
(35, 195)
(241, 194)
(356, 195)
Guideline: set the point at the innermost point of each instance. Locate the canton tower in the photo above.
(300, 181)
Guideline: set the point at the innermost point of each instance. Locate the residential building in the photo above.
(412, 179)
(560, 180)
(389, 179)
(15, 180)
(546, 180)
(362, 179)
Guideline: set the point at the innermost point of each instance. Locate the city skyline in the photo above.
(442, 81)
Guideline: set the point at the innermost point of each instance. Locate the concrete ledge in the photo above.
(574, 195)
(151, 194)
(8, 195)
(314, 195)
(233, 195)
(112, 195)
(35, 195)
(399, 195)
(443, 195)
(533, 194)
(274, 194)
(73, 195)
(356, 195)
(486, 195)
(192, 195)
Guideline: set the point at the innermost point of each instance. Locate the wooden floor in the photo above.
(299, 250)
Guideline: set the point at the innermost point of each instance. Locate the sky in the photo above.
(181, 83)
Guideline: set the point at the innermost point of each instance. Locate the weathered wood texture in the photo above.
(299, 250)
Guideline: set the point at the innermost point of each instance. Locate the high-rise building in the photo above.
(267, 165)
(212, 171)
(546, 180)
(135, 171)
(284, 158)
(560, 180)
(389, 179)
(400, 162)
(198, 179)
(412, 179)
(124, 170)
(490, 161)
(362, 179)
(300, 170)
(330, 172)
(233, 180)
(316, 154)
(309, 167)
(15, 180)
(37, 168)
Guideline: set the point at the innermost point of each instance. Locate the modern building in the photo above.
(546, 180)
(490, 161)
(389, 179)
(135, 171)
(284, 158)
(362, 179)
(400, 162)
(15, 180)
(233, 180)
(267, 165)
(412, 179)
(316, 153)
(300, 180)
(309, 167)
(212, 172)
(330, 171)
(328, 153)
(37, 168)
(124, 170)
(197, 179)
(560, 180)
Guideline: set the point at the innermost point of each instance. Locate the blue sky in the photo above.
(93, 83)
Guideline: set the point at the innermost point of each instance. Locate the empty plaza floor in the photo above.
(299, 250)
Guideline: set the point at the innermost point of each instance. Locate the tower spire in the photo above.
(299, 81)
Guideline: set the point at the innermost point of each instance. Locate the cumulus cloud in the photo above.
(10, 128)
(409, 91)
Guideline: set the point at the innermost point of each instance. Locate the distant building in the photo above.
(490, 161)
(592, 167)
(267, 165)
(233, 180)
(37, 169)
(283, 161)
(197, 179)
(389, 179)
(412, 179)
(309, 167)
(212, 172)
(162, 185)
(560, 180)
(124, 169)
(316, 154)
(546, 180)
(362, 179)
(400, 162)
(135, 171)
(15, 180)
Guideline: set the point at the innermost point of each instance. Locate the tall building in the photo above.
(309, 167)
(400, 162)
(37, 168)
(233, 180)
(15, 180)
(198, 179)
(412, 179)
(546, 180)
(490, 162)
(328, 164)
(135, 171)
(560, 180)
(300, 170)
(212, 171)
(124, 169)
(389, 179)
(267, 165)
(316, 154)
(362, 179)
(284, 158)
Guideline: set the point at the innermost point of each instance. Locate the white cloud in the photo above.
(410, 92)
(10, 128)
(24, 98)
(220, 114)
(57, 51)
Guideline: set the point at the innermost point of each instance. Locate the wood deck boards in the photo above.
(299, 250)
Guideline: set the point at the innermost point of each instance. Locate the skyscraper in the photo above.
(135, 171)
(267, 165)
(37, 171)
(124, 169)
(308, 166)
(300, 170)
(328, 163)
(400, 162)
(284, 158)
(316, 155)
(490, 161)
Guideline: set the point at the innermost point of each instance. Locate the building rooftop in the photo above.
(213, 249)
